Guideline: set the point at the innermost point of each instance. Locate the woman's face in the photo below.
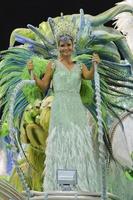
(65, 48)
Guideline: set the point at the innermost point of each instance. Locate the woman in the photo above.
(69, 144)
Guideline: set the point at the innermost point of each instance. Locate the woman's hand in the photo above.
(30, 65)
(96, 58)
(30, 69)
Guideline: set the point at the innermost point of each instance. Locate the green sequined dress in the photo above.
(69, 144)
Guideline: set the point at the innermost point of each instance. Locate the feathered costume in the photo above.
(31, 114)
(69, 144)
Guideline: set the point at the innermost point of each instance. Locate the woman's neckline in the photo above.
(65, 66)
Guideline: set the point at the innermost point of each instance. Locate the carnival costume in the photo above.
(69, 126)
(69, 142)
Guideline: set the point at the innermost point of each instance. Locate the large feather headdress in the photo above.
(63, 28)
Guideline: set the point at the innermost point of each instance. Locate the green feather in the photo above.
(33, 92)
(86, 92)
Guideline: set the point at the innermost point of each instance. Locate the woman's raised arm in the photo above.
(89, 74)
(43, 83)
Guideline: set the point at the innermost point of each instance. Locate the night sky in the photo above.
(18, 13)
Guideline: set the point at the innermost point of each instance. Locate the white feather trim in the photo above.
(124, 23)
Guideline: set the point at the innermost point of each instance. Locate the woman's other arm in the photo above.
(89, 74)
(43, 83)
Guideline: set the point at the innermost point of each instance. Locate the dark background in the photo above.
(18, 13)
